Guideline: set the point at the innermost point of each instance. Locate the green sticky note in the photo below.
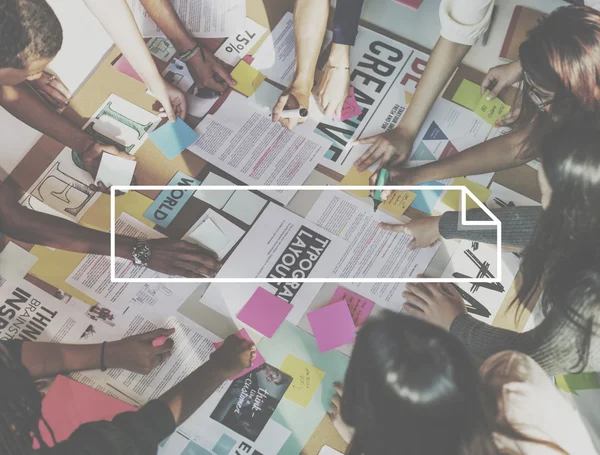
(468, 94)
(491, 110)
(583, 381)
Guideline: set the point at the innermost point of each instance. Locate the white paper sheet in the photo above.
(115, 170)
(276, 57)
(15, 262)
(219, 198)
(236, 47)
(326, 450)
(202, 18)
(200, 101)
(265, 252)
(250, 147)
(162, 49)
(245, 206)
(230, 232)
(373, 252)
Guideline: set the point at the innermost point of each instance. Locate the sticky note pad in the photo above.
(209, 236)
(248, 79)
(306, 379)
(492, 110)
(356, 178)
(351, 107)
(426, 199)
(168, 203)
(173, 137)
(245, 206)
(452, 198)
(359, 306)
(218, 198)
(264, 312)
(332, 326)
(397, 202)
(115, 170)
(467, 95)
(258, 360)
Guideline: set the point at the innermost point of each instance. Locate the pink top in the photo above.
(529, 402)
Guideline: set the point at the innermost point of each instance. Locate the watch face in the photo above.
(141, 254)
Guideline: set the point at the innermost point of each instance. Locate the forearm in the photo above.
(444, 60)
(163, 13)
(48, 359)
(23, 103)
(310, 22)
(118, 21)
(490, 156)
(187, 396)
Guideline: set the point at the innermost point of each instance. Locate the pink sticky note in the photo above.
(360, 307)
(63, 410)
(264, 312)
(351, 107)
(122, 65)
(258, 360)
(248, 59)
(332, 326)
(414, 4)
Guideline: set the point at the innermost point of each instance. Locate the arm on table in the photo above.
(204, 67)
(310, 22)
(118, 21)
(173, 257)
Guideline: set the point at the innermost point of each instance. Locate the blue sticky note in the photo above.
(167, 205)
(224, 445)
(173, 137)
(302, 422)
(194, 449)
(426, 199)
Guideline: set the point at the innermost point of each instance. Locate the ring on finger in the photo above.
(160, 358)
(51, 79)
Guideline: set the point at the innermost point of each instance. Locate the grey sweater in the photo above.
(552, 343)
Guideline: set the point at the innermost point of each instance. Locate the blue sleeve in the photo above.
(345, 21)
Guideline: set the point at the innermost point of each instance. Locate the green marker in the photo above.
(381, 179)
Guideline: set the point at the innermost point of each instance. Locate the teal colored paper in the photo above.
(289, 339)
(168, 203)
(426, 199)
(173, 137)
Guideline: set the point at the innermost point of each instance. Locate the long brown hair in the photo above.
(561, 55)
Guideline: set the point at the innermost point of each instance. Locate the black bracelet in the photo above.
(102, 366)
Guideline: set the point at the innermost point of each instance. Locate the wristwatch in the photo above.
(142, 252)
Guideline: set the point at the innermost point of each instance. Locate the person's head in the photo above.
(563, 256)
(411, 388)
(20, 407)
(561, 69)
(30, 37)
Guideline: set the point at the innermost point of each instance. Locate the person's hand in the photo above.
(437, 303)
(501, 77)
(171, 100)
(136, 353)
(425, 231)
(208, 71)
(392, 147)
(234, 356)
(295, 97)
(335, 414)
(333, 91)
(52, 90)
(177, 257)
(91, 157)
(509, 118)
(397, 176)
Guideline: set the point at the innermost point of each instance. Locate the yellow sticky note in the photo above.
(355, 178)
(468, 94)
(452, 198)
(307, 379)
(397, 202)
(492, 110)
(408, 96)
(248, 79)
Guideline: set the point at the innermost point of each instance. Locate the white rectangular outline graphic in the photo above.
(463, 189)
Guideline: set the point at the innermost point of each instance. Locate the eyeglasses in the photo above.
(535, 97)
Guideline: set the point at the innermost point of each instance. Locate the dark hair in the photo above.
(29, 30)
(562, 55)
(563, 256)
(20, 408)
(411, 389)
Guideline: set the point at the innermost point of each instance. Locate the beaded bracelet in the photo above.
(338, 67)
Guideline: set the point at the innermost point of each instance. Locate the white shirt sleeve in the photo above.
(464, 21)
